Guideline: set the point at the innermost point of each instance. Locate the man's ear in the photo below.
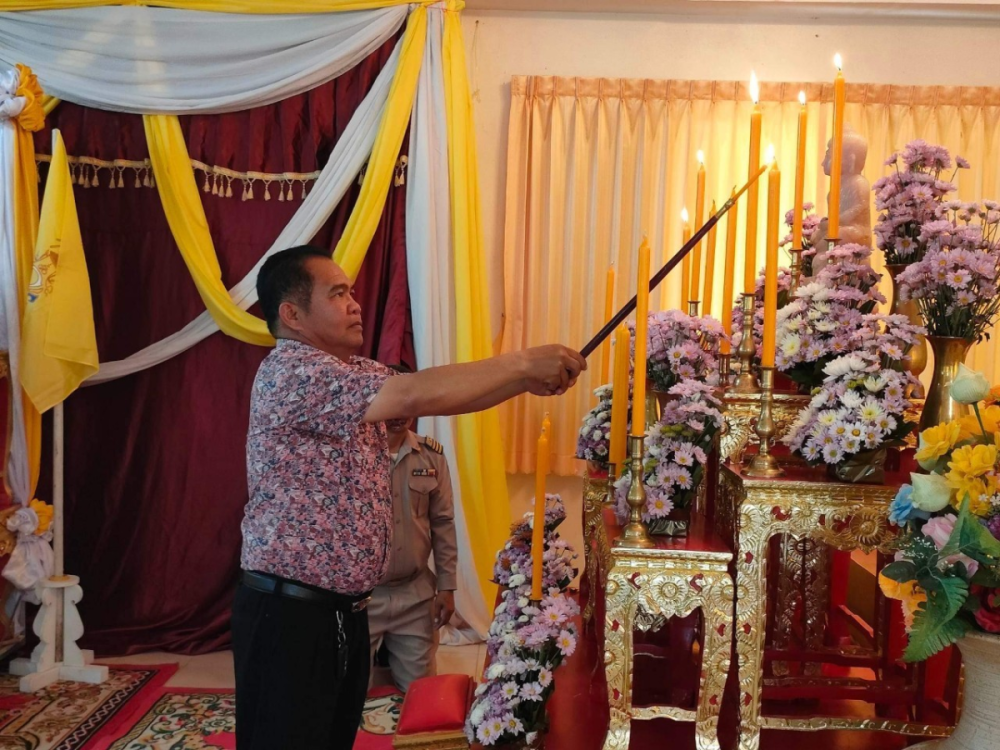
(290, 316)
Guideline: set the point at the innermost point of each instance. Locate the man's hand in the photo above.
(444, 608)
(551, 370)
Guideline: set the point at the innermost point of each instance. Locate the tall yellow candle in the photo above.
(727, 280)
(609, 302)
(771, 262)
(699, 219)
(686, 261)
(750, 269)
(837, 157)
(641, 322)
(709, 266)
(619, 399)
(538, 528)
(800, 174)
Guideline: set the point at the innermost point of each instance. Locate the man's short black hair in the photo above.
(285, 278)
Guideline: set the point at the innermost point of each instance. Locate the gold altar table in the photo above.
(646, 587)
(801, 505)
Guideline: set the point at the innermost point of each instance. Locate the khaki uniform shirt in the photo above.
(423, 516)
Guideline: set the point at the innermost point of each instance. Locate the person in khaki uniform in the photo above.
(412, 602)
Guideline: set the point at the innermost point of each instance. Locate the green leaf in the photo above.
(971, 538)
(901, 571)
(935, 625)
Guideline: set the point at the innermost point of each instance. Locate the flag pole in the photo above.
(58, 477)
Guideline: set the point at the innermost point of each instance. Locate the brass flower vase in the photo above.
(916, 358)
(939, 407)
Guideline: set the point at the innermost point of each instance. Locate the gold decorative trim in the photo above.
(647, 713)
(870, 725)
(86, 172)
(595, 546)
(453, 740)
(741, 415)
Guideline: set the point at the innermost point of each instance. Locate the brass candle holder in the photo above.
(609, 497)
(746, 381)
(635, 535)
(693, 308)
(796, 268)
(724, 371)
(764, 464)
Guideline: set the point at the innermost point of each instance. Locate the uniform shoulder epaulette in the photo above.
(433, 445)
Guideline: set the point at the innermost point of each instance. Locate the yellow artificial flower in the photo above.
(44, 512)
(973, 460)
(909, 593)
(994, 396)
(937, 441)
(991, 423)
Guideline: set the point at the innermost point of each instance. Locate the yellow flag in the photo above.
(58, 345)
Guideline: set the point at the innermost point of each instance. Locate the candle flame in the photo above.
(684, 215)
(701, 157)
(769, 156)
(754, 88)
(838, 61)
(802, 98)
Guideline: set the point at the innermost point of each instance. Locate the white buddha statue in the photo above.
(855, 198)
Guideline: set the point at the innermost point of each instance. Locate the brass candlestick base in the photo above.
(764, 464)
(635, 535)
(693, 308)
(746, 381)
(724, 371)
(609, 497)
(796, 268)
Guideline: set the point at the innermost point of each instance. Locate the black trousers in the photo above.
(301, 676)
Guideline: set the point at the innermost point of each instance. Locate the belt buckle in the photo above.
(361, 604)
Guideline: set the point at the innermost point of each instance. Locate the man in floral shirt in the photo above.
(317, 528)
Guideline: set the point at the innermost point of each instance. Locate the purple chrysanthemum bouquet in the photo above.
(957, 283)
(594, 439)
(810, 222)
(681, 347)
(911, 197)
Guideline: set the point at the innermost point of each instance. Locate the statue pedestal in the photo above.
(59, 627)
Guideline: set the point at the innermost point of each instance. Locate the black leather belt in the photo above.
(268, 584)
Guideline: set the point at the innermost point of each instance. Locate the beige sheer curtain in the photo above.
(595, 164)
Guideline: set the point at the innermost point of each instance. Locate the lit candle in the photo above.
(750, 269)
(538, 527)
(699, 219)
(837, 157)
(609, 300)
(619, 399)
(771, 261)
(709, 266)
(800, 175)
(727, 280)
(641, 321)
(686, 261)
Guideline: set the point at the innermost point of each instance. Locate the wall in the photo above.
(501, 44)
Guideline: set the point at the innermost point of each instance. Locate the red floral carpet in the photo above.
(189, 719)
(73, 715)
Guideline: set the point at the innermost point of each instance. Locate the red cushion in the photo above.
(436, 704)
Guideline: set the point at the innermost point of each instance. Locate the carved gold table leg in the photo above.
(618, 659)
(717, 613)
(751, 614)
(595, 540)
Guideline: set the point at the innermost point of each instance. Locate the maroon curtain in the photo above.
(155, 465)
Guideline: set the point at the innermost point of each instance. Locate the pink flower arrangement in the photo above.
(593, 442)
(957, 281)
(810, 222)
(910, 197)
(527, 640)
(681, 347)
(676, 451)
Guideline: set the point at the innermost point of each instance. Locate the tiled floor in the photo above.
(216, 670)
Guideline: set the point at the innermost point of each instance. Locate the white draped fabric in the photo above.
(18, 474)
(336, 177)
(163, 61)
(429, 268)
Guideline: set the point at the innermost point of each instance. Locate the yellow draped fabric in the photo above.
(185, 212)
(186, 215)
(25, 234)
(58, 344)
(263, 7)
(569, 215)
(479, 449)
(367, 213)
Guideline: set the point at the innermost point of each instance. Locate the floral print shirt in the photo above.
(320, 508)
